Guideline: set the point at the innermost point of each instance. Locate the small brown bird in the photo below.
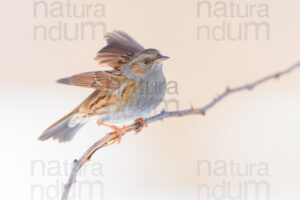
(134, 87)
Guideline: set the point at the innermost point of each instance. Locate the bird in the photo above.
(133, 87)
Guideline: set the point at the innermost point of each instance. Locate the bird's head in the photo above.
(146, 60)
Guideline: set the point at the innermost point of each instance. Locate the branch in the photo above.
(110, 137)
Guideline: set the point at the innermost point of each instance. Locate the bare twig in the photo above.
(110, 137)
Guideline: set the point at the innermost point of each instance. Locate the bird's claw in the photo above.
(118, 130)
(142, 123)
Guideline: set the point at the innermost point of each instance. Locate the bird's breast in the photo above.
(139, 97)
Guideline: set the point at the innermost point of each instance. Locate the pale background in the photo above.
(161, 162)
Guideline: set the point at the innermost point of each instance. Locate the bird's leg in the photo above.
(115, 128)
(142, 123)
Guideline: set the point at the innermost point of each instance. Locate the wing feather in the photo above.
(100, 80)
(119, 50)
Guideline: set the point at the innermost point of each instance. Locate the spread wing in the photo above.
(100, 80)
(119, 50)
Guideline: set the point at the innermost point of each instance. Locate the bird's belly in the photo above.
(146, 100)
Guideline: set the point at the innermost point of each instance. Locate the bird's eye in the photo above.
(147, 61)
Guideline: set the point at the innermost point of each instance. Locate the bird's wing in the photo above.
(100, 80)
(119, 50)
(103, 102)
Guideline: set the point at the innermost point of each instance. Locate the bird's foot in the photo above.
(142, 123)
(118, 130)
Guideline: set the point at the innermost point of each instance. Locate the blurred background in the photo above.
(250, 137)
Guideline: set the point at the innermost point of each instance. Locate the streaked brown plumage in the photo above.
(119, 94)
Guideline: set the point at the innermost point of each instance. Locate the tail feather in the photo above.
(61, 130)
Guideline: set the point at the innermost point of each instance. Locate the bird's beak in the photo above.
(160, 58)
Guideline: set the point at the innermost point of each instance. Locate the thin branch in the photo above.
(110, 137)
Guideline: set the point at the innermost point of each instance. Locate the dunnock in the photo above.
(134, 87)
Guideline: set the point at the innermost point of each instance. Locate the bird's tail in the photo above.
(64, 129)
